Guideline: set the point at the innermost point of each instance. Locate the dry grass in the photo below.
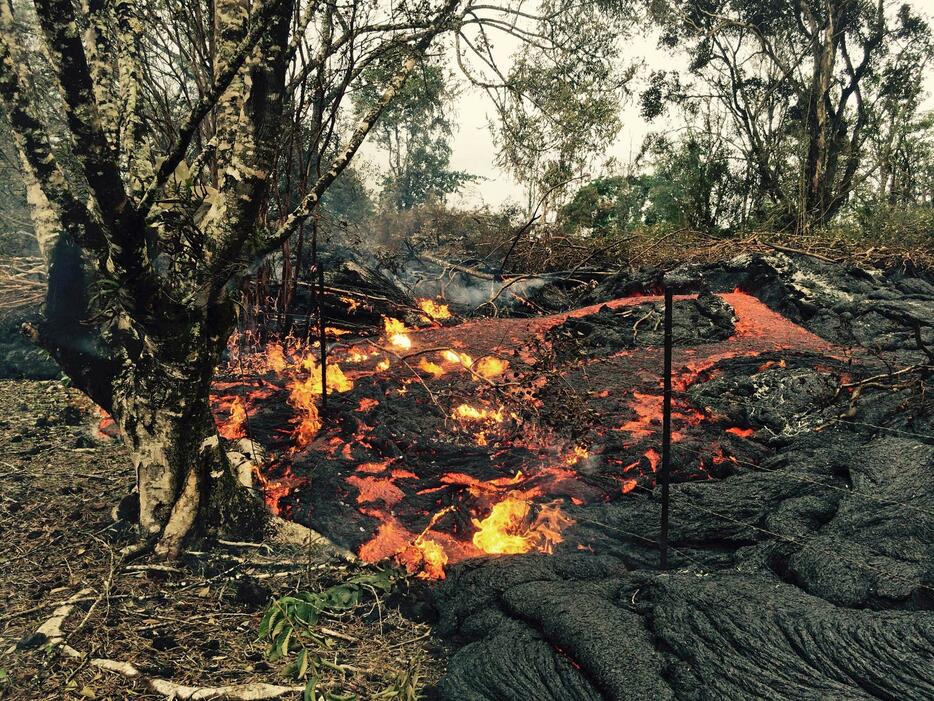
(549, 249)
(194, 623)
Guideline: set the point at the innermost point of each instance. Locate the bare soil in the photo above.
(193, 622)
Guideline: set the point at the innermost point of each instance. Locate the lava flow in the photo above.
(457, 441)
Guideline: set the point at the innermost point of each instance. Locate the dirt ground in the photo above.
(194, 622)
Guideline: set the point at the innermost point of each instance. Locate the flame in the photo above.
(275, 358)
(433, 556)
(490, 367)
(455, 357)
(396, 333)
(506, 530)
(233, 427)
(352, 304)
(433, 310)
(741, 432)
(465, 412)
(304, 393)
(382, 365)
(430, 367)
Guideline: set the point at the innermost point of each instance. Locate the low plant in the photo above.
(290, 628)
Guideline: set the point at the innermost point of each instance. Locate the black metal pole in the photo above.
(665, 475)
(322, 336)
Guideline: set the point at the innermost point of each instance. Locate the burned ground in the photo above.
(802, 504)
(193, 622)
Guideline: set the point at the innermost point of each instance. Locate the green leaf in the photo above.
(301, 664)
(284, 645)
(311, 689)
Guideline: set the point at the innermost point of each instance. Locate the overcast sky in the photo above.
(474, 152)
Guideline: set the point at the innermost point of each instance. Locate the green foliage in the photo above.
(347, 199)
(810, 119)
(289, 627)
(689, 185)
(559, 106)
(607, 205)
(415, 130)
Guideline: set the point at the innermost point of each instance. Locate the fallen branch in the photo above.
(800, 251)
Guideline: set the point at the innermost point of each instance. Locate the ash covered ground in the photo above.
(802, 512)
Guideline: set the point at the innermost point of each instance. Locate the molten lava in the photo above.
(463, 453)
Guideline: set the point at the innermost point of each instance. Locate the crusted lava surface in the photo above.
(514, 460)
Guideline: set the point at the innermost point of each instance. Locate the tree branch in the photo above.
(308, 204)
(33, 144)
(63, 39)
(207, 101)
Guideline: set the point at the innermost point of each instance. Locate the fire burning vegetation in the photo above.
(446, 442)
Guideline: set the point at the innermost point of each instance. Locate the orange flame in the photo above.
(465, 412)
(396, 333)
(506, 530)
(433, 310)
(490, 367)
(275, 357)
(430, 367)
(233, 427)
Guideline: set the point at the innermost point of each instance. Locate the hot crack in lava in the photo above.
(469, 396)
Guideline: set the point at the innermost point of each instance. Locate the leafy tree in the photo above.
(800, 80)
(415, 132)
(692, 183)
(145, 269)
(155, 195)
(555, 115)
(607, 206)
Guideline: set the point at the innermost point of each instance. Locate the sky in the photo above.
(475, 153)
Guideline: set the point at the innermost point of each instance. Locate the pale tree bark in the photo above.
(165, 256)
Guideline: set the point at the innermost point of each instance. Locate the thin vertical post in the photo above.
(665, 474)
(322, 335)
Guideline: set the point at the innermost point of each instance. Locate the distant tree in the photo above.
(900, 158)
(607, 206)
(800, 80)
(692, 181)
(415, 132)
(557, 105)
(348, 199)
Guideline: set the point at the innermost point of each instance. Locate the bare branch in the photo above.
(63, 39)
(310, 201)
(207, 101)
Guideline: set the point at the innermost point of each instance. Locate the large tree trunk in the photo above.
(156, 386)
(186, 486)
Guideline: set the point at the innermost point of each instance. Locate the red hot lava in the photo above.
(478, 385)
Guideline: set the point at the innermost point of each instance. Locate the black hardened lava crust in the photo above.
(807, 573)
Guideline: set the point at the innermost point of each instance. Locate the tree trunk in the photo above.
(186, 486)
(157, 388)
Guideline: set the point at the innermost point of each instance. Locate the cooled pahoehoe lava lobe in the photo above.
(452, 442)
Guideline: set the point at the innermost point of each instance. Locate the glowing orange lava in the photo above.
(433, 310)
